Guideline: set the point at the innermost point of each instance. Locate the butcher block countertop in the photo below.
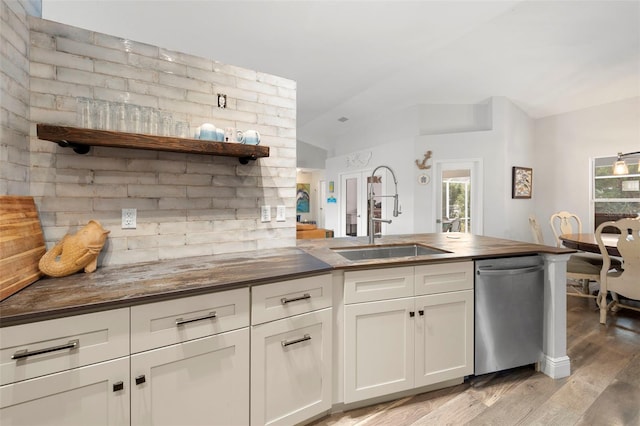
(127, 285)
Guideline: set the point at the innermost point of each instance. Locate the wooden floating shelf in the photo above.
(81, 140)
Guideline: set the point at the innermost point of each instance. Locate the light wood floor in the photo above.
(603, 389)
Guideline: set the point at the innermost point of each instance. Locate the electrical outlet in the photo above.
(281, 213)
(129, 218)
(265, 214)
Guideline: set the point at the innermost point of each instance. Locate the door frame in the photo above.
(476, 168)
(361, 200)
(321, 203)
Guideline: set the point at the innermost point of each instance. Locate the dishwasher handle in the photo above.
(515, 271)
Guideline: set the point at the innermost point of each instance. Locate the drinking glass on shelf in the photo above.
(83, 113)
(182, 129)
(101, 115)
(145, 120)
(153, 118)
(134, 118)
(118, 117)
(166, 124)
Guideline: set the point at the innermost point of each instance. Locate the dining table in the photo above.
(588, 243)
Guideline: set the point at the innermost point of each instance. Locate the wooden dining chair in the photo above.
(536, 231)
(626, 280)
(581, 268)
(565, 223)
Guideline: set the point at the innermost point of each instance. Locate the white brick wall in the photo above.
(188, 205)
(14, 98)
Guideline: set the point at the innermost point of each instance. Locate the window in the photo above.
(614, 196)
(456, 200)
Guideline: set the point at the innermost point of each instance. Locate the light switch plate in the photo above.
(265, 214)
(129, 217)
(281, 213)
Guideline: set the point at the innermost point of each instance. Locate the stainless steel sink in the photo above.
(387, 252)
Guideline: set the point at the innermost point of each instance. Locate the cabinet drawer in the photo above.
(378, 284)
(280, 300)
(39, 348)
(443, 278)
(164, 323)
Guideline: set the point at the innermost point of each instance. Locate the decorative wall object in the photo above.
(359, 159)
(75, 252)
(522, 182)
(331, 186)
(302, 197)
(423, 179)
(422, 165)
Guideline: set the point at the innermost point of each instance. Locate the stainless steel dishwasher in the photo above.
(509, 303)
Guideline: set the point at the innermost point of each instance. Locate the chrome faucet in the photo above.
(396, 209)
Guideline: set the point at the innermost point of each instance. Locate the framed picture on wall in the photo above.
(302, 197)
(521, 182)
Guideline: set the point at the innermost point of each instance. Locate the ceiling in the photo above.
(361, 59)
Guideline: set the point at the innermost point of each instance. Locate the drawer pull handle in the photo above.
(180, 321)
(118, 386)
(286, 343)
(305, 296)
(140, 379)
(73, 344)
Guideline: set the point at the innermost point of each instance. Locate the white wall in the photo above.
(454, 118)
(394, 128)
(310, 156)
(496, 133)
(564, 147)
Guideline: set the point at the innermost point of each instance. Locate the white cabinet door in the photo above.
(199, 382)
(379, 348)
(444, 337)
(82, 396)
(291, 368)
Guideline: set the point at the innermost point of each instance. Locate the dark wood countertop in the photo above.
(127, 285)
(122, 286)
(461, 247)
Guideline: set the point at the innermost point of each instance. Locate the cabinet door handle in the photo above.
(118, 386)
(73, 344)
(305, 296)
(140, 379)
(412, 314)
(286, 343)
(180, 321)
(421, 312)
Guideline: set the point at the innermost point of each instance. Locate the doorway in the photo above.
(354, 203)
(458, 196)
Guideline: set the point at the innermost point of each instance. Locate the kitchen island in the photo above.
(301, 297)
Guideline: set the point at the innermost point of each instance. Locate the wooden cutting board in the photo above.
(21, 244)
